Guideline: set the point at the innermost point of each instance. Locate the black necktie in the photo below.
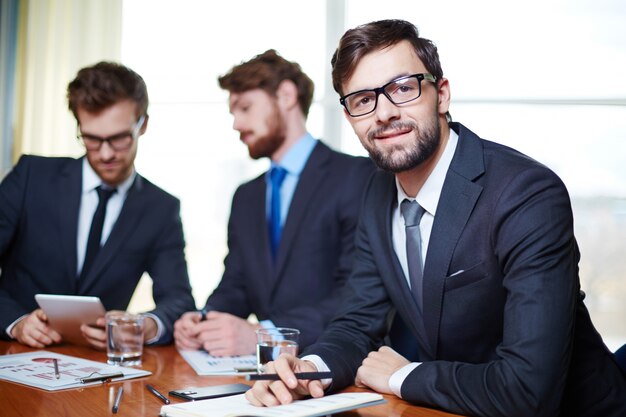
(412, 213)
(95, 232)
(277, 176)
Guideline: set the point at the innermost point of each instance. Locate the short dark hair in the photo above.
(104, 84)
(266, 71)
(360, 41)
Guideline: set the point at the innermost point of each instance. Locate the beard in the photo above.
(401, 158)
(265, 146)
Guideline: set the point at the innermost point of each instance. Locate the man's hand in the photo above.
(270, 393)
(223, 334)
(33, 330)
(186, 331)
(377, 368)
(96, 335)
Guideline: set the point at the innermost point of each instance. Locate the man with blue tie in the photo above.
(91, 226)
(490, 295)
(291, 230)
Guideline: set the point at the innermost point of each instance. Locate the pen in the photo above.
(157, 393)
(101, 377)
(57, 375)
(299, 375)
(116, 404)
(203, 312)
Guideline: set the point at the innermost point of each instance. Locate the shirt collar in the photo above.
(91, 180)
(295, 158)
(428, 195)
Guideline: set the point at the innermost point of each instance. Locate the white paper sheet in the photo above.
(205, 364)
(237, 405)
(36, 369)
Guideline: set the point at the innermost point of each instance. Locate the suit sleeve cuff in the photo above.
(398, 377)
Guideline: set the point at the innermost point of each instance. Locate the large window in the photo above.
(543, 77)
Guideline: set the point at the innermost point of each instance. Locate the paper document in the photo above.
(37, 369)
(205, 364)
(237, 405)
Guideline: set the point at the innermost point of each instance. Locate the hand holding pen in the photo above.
(291, 377)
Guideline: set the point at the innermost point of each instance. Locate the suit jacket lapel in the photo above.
(125, 224)
(458, 198)
(258, 226)
(68, 192)
(312, 175)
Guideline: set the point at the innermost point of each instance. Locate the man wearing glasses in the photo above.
(91, 226)
(471, 242)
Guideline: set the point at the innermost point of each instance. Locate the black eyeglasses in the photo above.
(119, 142)
(399, 91)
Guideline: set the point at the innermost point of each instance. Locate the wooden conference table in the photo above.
(169, 371)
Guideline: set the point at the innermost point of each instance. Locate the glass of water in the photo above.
(124, 338)
(272, 342)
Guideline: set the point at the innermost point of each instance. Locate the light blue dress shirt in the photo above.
(294, 161)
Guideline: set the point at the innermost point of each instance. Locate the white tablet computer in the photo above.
(67, 312)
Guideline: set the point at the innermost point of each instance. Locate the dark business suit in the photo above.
(506, 332)
(301, 289)
(39, 204)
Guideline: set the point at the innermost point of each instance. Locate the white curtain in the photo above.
(56, 39)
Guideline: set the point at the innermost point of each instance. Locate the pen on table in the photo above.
(57, 375)
(157, 393)
(116, 404)
(299, 375)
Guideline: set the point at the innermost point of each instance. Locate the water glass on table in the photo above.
(124, 338)
(272, 342)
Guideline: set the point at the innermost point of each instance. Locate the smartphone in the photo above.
(214, 391)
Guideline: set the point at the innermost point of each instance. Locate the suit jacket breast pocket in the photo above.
(465, 277)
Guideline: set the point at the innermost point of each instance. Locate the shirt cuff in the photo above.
(160, 329)
(267, 324)
(321, 367)
(12, 325)
(398, 377)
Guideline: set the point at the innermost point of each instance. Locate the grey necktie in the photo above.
(412, 213)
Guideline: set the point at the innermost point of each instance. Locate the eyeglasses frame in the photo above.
(381, 90)
(134, 134)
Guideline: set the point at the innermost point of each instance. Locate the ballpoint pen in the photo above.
(203, 313)
(157, 393)
(57, 375)
(298, 375)
(116, 404)
(101, 378)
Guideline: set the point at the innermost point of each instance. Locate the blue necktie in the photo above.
(277, 176)
(95, 232)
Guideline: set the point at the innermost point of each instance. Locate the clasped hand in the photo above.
(221, 334)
